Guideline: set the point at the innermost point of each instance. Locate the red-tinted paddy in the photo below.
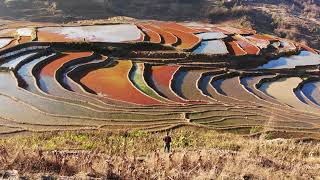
(188, 40)
(49, 69)
(176, 26)
(47, 73)
(168, 38)
(261, 43)
(235, 49)
(113, 82)
(153, 36)
(161, 77)
(246, 45)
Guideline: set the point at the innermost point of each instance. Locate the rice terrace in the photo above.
(155, 76)
(67, 89)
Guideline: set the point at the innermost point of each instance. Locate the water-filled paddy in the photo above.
(261, 43)
(114, 83)
(4, 42)
(168, 38)
(235, 49)
(211, 35)
(13, 62)
(246, 45)
(250, 83)
(185, 84)
(188, 40)
(302, 59)
(137, 78)
(282, 90)
(25, 31)
(103, 33)
(25, 72)
(312, 91)
(56, 90)
(154, 37)
(161, 78)
(212, 47)
(47, 79)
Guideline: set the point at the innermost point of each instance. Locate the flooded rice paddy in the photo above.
(212, 47)
(47, 87)
(302, 59)
(108, 33)
(4, 42)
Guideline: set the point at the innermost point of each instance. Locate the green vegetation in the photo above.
(256, 129)
(197, 153)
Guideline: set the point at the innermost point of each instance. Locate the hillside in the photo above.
(293, 19)
(87, 155)
(88, 89)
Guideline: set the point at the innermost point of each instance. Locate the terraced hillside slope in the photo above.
(154, 76)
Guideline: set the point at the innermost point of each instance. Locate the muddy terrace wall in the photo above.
(145, 50)
(158, 53)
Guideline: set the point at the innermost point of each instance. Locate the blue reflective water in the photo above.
(203, 84)
(212, 47)
(312, 92)
(303, 59)
(244, 82)
(13, 62)
(217, 85)
(178, 81)
(25, 72)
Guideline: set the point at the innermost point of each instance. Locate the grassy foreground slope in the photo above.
(197, 154)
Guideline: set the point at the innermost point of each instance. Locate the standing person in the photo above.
(167, 142)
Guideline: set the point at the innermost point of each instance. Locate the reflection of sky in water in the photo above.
(244, 82)
(304, 58)
(25, 71)
(211, 35)
(103, 33)
(4, 42)
(299, 95)
(212, 47)
(312, 91)
(264, 88)
(178, 81)
(12, 63)
(203, 84)
(217, 85)
(43, 82)
(133, 72)
(69, 84)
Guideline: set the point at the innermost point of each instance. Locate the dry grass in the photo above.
(197, 154)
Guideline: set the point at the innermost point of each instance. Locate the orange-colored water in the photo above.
(162, 77)
(168, 38)
(235, 49)
(52, 37)
(49, 69)
(24, 39)
(246, 46)
(176, 26)
(154, 37)
(188, 40)
(114, 83)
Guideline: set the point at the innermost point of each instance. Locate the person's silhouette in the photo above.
(167, 141)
